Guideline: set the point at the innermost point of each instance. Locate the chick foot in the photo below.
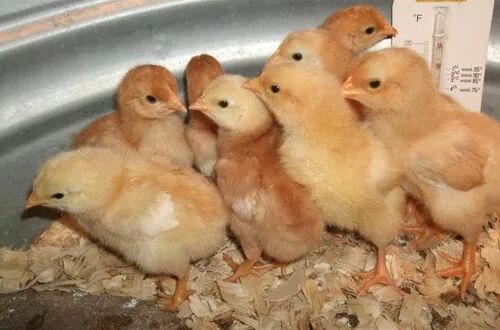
(424, 233)
(239, 270)
(180, 295)
(463, 268)
(248, 267)
(423, 229)
(379, 275)
(259, 270)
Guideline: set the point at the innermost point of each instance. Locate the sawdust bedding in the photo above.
(316, 292)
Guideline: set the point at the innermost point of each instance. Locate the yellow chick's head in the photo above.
(359, 27)
(149, 91)
(301, 47)
(392, 79)
(76, 182)
(231, 106)
(314, 47)
(289, 89)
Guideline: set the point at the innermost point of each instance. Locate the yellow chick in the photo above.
(450, 156)
(160, 217)
(147, 119)
(201, 132)
(349, 174)
(273, 215)
(359, 27)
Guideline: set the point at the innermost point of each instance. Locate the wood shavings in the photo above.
(314, 293)
(288, 288)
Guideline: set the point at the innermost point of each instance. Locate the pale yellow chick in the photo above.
(160, 217)
(349, 174)
(201, 132)
(273, 215)
(148, 119)
(450, 156)
(359, 27)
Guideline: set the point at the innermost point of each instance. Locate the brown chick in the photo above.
(450, 156)
(201, 132)
(272, 213)
(160, 217)
(359, 27)
(347, 171)
(147, 119)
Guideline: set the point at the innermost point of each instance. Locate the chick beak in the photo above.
(198, 106)
(272, 59)
(252, 85)
(177, 105)
(348, 89)
(33, 200)
(390, 31)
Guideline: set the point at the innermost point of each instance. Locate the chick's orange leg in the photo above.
(259, 270)
(380, 275)
(463, 268)
(180, 295)
(239, 270)
(423, 229)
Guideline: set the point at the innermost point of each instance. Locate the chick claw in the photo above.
(378, 275)
(425, 232)
(248, 267)
(463, 268)
(172, 303)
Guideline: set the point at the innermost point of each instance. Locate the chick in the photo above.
(201, 132)
(160, 217)
(359, 27)
(147, 119)
(450, 156)
(347, 171)
(273, 215)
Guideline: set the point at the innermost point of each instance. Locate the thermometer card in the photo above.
(452, 35)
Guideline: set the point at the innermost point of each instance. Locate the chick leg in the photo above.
(463, 268)
(180, 295)
(424, 230)
(239, 270)
(266, 266)
(379, 276)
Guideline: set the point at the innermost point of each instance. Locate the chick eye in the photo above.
(374, 83)
(275, 89)
(370, 30)
(297, 56)
(151, 99)
(57, 196)
(223, 103)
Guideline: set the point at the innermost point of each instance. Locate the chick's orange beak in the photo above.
(33, 200)
(198, 106)
(390, 31)
(349, 91)
(177, 105)
(252, 85)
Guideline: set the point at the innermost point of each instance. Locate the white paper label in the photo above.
(452, 35)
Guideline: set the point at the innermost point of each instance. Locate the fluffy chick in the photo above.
(147, 119)
(348, 172)
(160, 217)
(201, 132)
(451, 157)
(359, 27)
(272, 213)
